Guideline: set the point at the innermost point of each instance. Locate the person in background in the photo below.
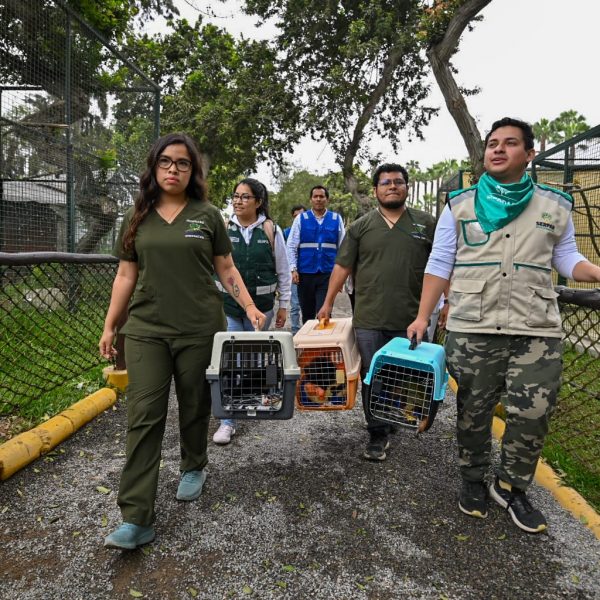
(386, 250)
(496, 244)
(260, 256)
(170, 243)
(313, 242)
(295, 312)
(438, 318)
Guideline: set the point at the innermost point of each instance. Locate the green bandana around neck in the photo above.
(497, 204)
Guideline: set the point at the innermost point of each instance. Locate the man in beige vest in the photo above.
(496, 243)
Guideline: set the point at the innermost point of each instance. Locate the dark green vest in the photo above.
(256, 264)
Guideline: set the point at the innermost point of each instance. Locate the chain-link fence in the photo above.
(573, 444)
(574, 166)
(52, 309)
(76, 120)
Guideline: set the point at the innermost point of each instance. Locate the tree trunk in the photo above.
(102, 212)
(439, 56)
(350, 182)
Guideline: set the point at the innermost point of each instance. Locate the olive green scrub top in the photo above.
(388, 265)
(175, 294)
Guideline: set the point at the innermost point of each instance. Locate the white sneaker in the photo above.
(223, 434)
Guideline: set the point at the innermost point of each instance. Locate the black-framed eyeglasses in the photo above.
(183, 164)
(242, 197)
(397, 182)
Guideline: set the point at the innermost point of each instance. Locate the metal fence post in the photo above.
(68, 120)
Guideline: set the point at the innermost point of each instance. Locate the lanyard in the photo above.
(418, 230)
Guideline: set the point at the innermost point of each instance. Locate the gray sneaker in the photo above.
(190, 486)
(129, 536)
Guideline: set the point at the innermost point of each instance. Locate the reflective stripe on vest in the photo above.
(317, 248)
(261, 290)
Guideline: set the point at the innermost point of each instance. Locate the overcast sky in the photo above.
(531, 59)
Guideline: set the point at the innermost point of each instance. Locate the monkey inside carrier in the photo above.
(329, 365)
(253, 375)
(407, 383)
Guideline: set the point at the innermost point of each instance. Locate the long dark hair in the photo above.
(260, 193)
(150, 191)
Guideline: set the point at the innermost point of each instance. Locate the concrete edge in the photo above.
(24, 448)
(116, 378)
(545, 476)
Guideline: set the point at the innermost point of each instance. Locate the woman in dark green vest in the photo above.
(259, 253)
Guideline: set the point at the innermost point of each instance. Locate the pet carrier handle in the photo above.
(323, 322)
(413, 342)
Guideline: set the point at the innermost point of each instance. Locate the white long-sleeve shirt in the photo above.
(443, 254)
(284, 274)
(293, 240)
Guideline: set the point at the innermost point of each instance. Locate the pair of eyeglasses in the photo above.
(183, 164)
(242, 197)
(396, 182)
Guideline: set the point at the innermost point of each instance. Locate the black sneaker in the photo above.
(376, 448)
(519, 508)
(473, 499)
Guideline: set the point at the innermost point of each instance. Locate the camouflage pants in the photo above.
(484, 366)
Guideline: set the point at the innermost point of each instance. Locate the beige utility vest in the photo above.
(502, 281)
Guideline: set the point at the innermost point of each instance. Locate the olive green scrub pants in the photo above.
(151, 362)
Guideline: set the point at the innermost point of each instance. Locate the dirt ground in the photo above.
(289, 510)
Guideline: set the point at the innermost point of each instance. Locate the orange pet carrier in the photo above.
(329, 365)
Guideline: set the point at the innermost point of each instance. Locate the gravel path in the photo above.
(289, 510)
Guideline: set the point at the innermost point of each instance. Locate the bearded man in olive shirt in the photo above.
(386, 250)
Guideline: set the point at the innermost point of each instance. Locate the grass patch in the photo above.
(573, 444)
(574, 473)
(41, 351)
(49, 404)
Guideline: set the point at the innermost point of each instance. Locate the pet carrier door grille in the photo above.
(323, 379)
(252, 376)
(401, 394)
(329, 364)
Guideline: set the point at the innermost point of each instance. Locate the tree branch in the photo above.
(439, 58)
(390, 65)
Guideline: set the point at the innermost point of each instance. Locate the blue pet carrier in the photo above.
(407, 383)
(253, 375)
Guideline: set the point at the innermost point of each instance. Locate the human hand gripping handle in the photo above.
(324, 312)
(255, 317)
(417, 329)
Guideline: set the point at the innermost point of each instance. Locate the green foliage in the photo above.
(295, 189)
(435, 20)
(226, 93)
(343, 202)
(107, 159)
(542, 130)
(113, 18)
(568, 124)
(334, 56)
